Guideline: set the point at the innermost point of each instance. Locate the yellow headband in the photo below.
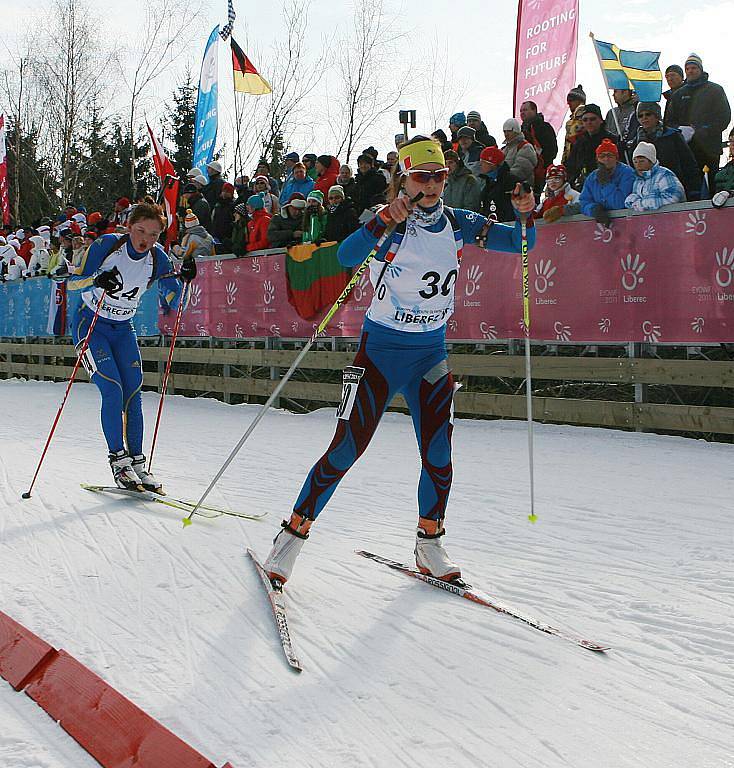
(427, 151)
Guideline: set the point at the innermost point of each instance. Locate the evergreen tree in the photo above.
(183, 120)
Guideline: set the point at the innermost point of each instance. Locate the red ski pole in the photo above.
(80, 355)
(166, 373)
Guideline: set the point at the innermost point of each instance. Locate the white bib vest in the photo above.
(135, 274)
(416, 293)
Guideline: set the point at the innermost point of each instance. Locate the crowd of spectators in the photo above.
(638, 156)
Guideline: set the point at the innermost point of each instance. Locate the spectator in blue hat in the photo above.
(289, 161)
(456, 121)
(257, 226)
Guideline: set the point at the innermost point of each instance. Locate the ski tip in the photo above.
(186, 522)
(533, 518)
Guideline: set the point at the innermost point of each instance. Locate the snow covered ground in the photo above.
(634, 547)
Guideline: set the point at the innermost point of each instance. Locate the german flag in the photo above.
(246, 78)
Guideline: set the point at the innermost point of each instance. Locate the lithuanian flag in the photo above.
(246, 78)
(315, 278)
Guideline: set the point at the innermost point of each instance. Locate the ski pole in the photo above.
(321, 328)
(164, 384)
(81, 354)
(528, 369)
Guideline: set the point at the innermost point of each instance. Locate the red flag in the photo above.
(4, 199)
(165, 171)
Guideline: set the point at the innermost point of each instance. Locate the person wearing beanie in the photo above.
(576, 100)
(327, 168)
(482, 135)
(672, 151)
(263, 169)
(223, 219)
(341, 218)
(298, 181)
(469, 151)
(213, 189)
(622, 119)
(314, 218)
(674, 76)
(194, 199)
(196, 242)
(261, 186)
(542, 138)
(121, 212)
(239, 230)
(558, 193)
(520, 155)
(345, 180)
(582, 158)
(440, 136)
(112, 278)
(606, 188)
(403, 349)
(463, 189)
(309, 160)
(289, 161)
(257, 226)
(285, 229)
(654, 186)
(702, 112)
(369, 185)
(456, 121)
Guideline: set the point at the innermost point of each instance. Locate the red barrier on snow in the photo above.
(107, 725)
(21, 652)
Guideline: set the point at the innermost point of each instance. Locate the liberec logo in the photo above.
(268, 292)
(231, 289)
(725, 267)
(487, 331)
(195, 294)
(605, 234)
(632, 269)
(360, 289)
(562, 331)
(696, 224)
(544, 271)
(473, 276)
(651, 332)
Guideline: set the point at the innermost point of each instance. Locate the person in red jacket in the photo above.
(257, 226)
(328, 169)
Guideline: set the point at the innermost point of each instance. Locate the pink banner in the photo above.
(545, 56)
(665, 277)
(4, 199)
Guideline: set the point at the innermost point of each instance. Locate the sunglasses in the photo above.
(423, 177)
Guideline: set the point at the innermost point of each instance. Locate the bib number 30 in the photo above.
(434, 279)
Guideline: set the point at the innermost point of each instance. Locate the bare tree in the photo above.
(161, 39)
(295, 68)
(443, 89)
(370, 80)
(70, 71)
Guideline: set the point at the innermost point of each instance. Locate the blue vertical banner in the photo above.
(205, 129)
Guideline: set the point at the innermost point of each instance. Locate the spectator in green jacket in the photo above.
(462, 187)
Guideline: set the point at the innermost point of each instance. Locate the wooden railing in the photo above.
(227, 376)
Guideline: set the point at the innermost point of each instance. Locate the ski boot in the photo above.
(286, 546)
(431, 558)
(146, 479)
(123, 472)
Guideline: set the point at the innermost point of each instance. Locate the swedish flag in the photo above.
(637, 70)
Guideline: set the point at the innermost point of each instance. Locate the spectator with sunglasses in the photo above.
(582, 158)
(671, 148)
(341, 218)
(725, 177)
(403, 347)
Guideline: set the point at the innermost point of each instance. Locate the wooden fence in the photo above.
(240, 371)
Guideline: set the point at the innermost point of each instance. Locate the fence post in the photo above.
(226, 374)
(273, 342)
(635, 350)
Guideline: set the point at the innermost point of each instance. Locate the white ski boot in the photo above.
(146, 479)
(123, 472)
(430, 556)
(286, 546)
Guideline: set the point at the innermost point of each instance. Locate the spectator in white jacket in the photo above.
(520, 155)
(654, 186)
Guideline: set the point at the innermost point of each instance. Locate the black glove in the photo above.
(601, 214)
(110, 280)
(188, 270)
